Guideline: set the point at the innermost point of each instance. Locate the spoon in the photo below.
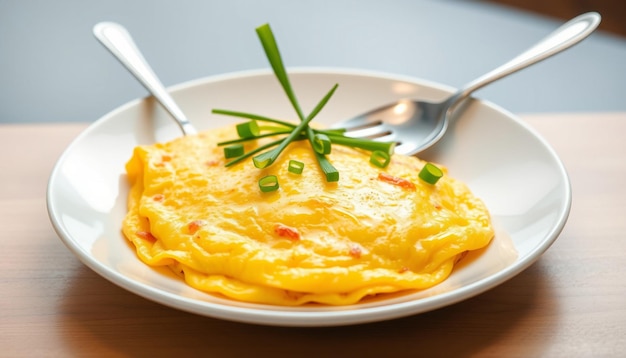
(417, 125)
(119, 42)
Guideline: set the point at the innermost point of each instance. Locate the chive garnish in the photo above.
(430, 173)
(253, 152)
(241, 140)
(233, 151)
(321, 143)
(248, 129)
(268, 183)
(273, 55)
(285, 126)
(331, 173)
(268, 41)
(267, 158)
(366, 144)
(252, 117)
(295, 166)
(380, 159)
(321, 140)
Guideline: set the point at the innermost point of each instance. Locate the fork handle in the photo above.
(119, 42)
(566, 36)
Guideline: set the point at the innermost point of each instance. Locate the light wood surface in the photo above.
(571, 303)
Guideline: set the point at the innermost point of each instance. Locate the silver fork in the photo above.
(118, 41)
(417, 125)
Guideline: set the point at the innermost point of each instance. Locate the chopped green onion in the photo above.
(430, 173)
(233, 151)
(321, 140)
(241, 140)
(265, 159)
(248, 129)
(255, 117)
(367, 144)
(333, 131)
(256, 150)
(295, 167)
(328, 131)
(321, 143)
(268, 183)
(273, 55)
(268, 41)
(331, 173)
(380, 159)
(276, 128)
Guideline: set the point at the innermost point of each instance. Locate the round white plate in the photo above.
(504, 162)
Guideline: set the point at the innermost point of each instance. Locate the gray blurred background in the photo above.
(53, 70)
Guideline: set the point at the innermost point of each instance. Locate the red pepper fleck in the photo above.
(403, 183)
(403, 269)
(164, 158)
(355, 251)
(195, 226)
(158, 197)
(438, 206)
(146, 236)
(286, 231)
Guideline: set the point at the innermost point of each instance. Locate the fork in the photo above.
(417, 125)
(118, 41)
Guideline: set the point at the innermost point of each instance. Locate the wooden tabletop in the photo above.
(572, 302)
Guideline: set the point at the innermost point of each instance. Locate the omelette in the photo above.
(373, 232)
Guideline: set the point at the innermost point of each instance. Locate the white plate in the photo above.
(509, 166)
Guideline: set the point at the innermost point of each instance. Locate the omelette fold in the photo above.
(375, 231)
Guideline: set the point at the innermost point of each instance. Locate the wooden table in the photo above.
(572, 302)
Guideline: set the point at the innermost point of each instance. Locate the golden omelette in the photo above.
(374, 231)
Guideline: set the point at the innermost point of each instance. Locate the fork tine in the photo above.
(352, 127)
(357, 123)
(387, 137)
(368, 119)
(372, 132)
(406, 148)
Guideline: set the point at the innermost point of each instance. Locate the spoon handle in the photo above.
(119, 42)
(566, 36)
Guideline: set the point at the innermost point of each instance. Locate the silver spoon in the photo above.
(117, 40)
(417, 125)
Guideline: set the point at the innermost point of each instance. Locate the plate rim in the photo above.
(302, 318)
